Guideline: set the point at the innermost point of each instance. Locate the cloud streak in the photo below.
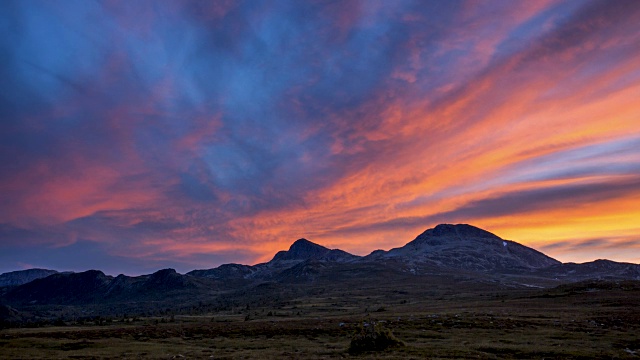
(197, 134)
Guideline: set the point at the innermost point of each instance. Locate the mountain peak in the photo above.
(468, 247)
(301, 249)
(304, 243)
(460, 231)
(164, 273)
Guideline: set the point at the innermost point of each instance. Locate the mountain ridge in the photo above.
(436, 246)
(446, 252)
(20, 277)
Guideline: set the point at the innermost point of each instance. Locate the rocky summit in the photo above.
(460, 231)
(301, 249)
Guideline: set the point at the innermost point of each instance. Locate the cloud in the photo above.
(193, 129)
(581, 250)
(557, 197)
(98, 256)
(511, 204)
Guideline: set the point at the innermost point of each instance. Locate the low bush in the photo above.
(373, 337)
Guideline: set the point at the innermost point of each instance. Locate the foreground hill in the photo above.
(447, 258)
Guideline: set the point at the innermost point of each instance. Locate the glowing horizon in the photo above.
(139, 136)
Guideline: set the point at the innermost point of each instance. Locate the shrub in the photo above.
(373, 337)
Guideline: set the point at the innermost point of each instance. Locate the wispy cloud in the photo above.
(193, 132)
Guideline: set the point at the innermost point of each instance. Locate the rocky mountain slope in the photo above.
(16, 278)
(302, 250)
(465, 247)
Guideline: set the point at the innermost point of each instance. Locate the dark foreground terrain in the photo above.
(452, 319)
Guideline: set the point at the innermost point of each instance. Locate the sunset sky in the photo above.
(140, 135)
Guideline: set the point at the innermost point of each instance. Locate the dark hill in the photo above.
(81, 287)
(94, 287)
(598, 269)
(16, 278)
(301, 249)
(225, 271)
(465, 247)
(447, 254)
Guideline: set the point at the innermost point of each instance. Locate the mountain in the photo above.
(225, 271)
(465, 247)
(20, 277)
(95, 287)
(446, 254)
(303, 249)
(62, 288)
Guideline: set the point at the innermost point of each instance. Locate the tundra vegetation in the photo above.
(432, 319)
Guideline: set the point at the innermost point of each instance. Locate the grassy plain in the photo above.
(448, 321)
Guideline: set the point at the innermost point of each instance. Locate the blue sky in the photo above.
(188, 134)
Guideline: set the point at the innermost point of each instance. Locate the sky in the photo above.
(141, 135)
